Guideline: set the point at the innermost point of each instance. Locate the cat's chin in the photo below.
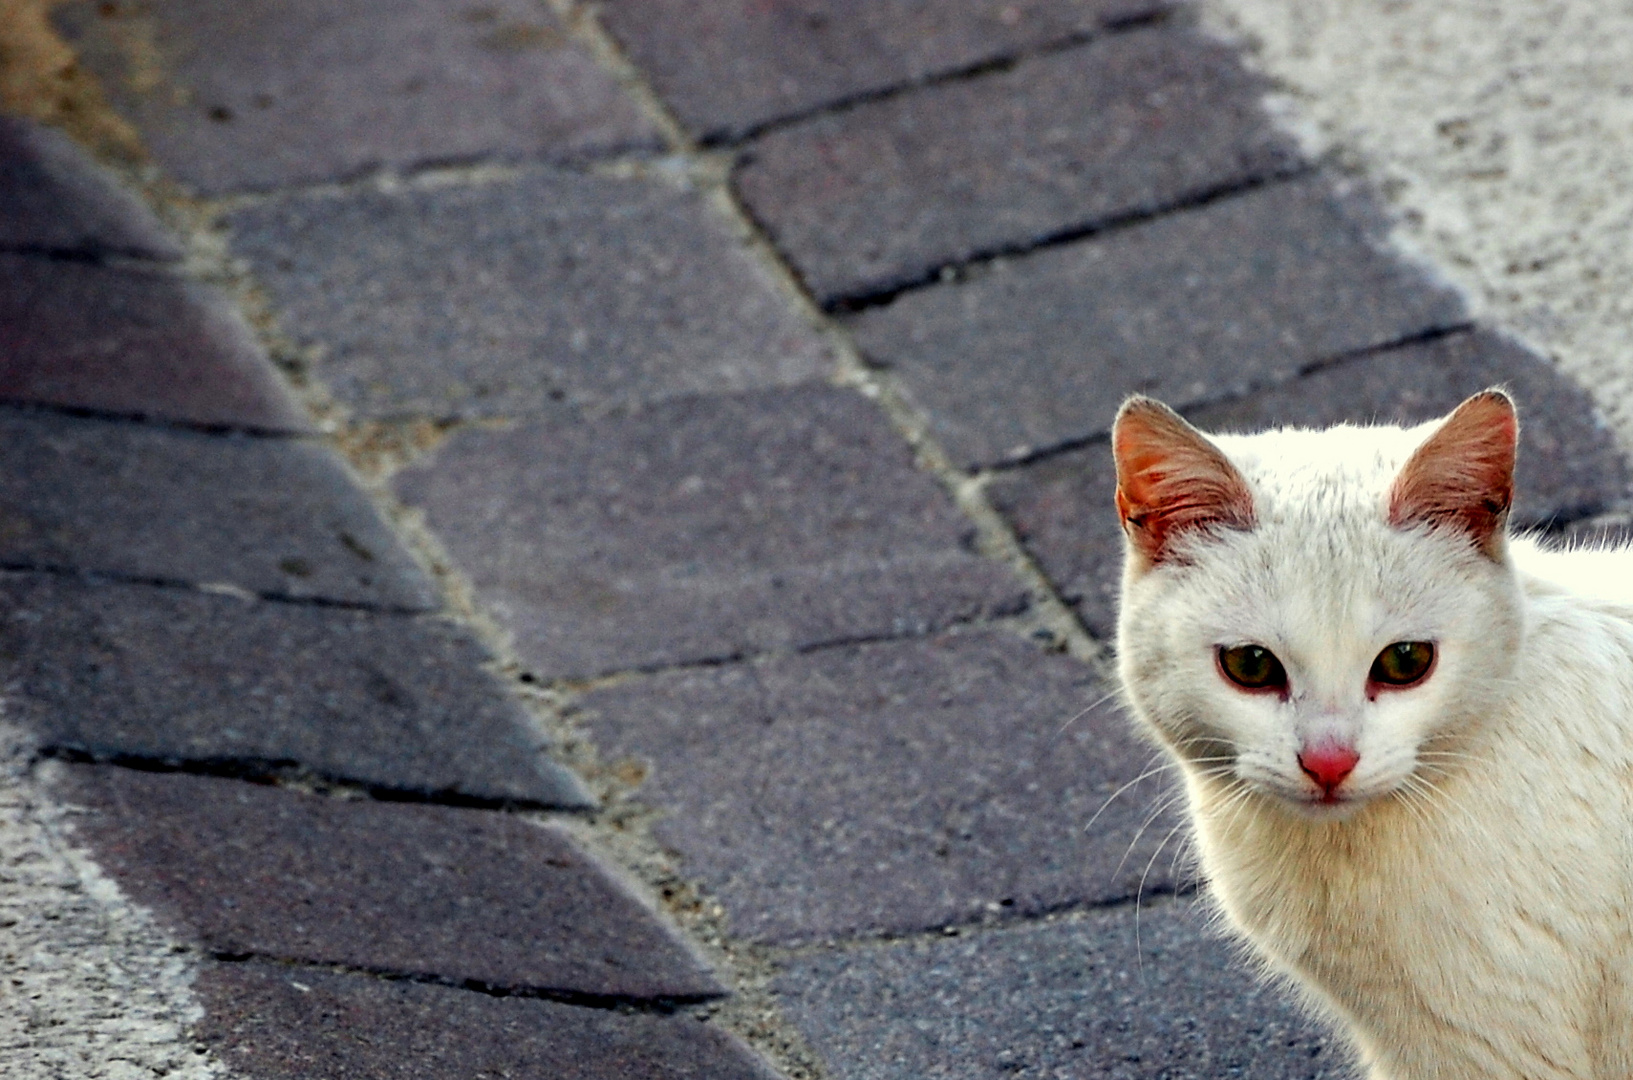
(1309, 806)
(1325, 810)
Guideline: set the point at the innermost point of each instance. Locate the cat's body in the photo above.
(1440, 854)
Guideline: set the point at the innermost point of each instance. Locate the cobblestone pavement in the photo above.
(574, 541)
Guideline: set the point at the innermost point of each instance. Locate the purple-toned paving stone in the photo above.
(728, 66)
(54, 198)
(1099, 997)
(261, 93)
(542, 294)
(174, 676)
(1038, 351)
(885, 193)
(271, 516)
(460, 895)
(704, 528)
(892, 787)
(133, 343)
(269, 1022)
(1568, 465)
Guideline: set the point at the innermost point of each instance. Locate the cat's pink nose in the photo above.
(1328, 764)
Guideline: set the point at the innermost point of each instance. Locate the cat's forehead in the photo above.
(1348, 463)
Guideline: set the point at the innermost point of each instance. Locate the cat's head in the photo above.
(1321, 616)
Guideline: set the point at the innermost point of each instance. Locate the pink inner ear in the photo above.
(1171, 479)
(1462, 477)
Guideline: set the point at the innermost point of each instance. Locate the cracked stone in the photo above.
(880, 195)
(391, 701)
(728, 67)
(1038, 351)
(704, 528)
(271, 516)
(133, 343)
(262, 93)
(54, 198)
(893, 788)
(461, 895)
(545, 294)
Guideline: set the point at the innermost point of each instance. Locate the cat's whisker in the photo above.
(1162, 805)
(1146, 775)
(1087, 709)
(1139, 896)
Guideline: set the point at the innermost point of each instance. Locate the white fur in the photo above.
(1469, 912)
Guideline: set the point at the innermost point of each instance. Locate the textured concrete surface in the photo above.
(166, 675)
(702, 529)
(53, 198)
(133, 343)
(895, 787)
(1096, 997)
(282, 1023)
(270, 516)
(463, 895)
(266, 92)
(1035, 352)
(1501, 131)
(518, 297)
(729, 67)
(95, 987)
(883, 194)
(1568, 465)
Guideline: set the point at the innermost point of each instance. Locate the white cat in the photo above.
(1406, 739)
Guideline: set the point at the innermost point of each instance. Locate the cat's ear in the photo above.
(1171, 479)
(1462, 477)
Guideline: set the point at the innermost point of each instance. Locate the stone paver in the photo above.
(881, 195)
(891, 787)
(279, 1023)
(519, 297)
(171, 676)
(53, 198)
(1036, 352)
(728, 66)
(272, 516)
(464, 895)
(266, 92)
(1086, 999)
(704, 528)
(132, 343)
(1568, 465)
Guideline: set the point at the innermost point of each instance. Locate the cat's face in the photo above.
(1320, 617)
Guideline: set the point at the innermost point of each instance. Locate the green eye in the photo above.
(1403, 663)
(1253, 667)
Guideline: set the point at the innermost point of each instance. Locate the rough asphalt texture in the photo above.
(554, 542)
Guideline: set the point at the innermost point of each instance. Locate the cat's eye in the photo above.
(1403, 663)
(1252, 667)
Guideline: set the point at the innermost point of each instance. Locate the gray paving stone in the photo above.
(463, 895)
(280, 1023)
(1568, 464)
(524, 296)
(166, 675)
(880, 195)
(1038, 351)
(261, 93)
(54, 198)
(892, 787)
(1093, 999)
(728, 67)
(704, 528)
(276, 517)
(132, 343)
